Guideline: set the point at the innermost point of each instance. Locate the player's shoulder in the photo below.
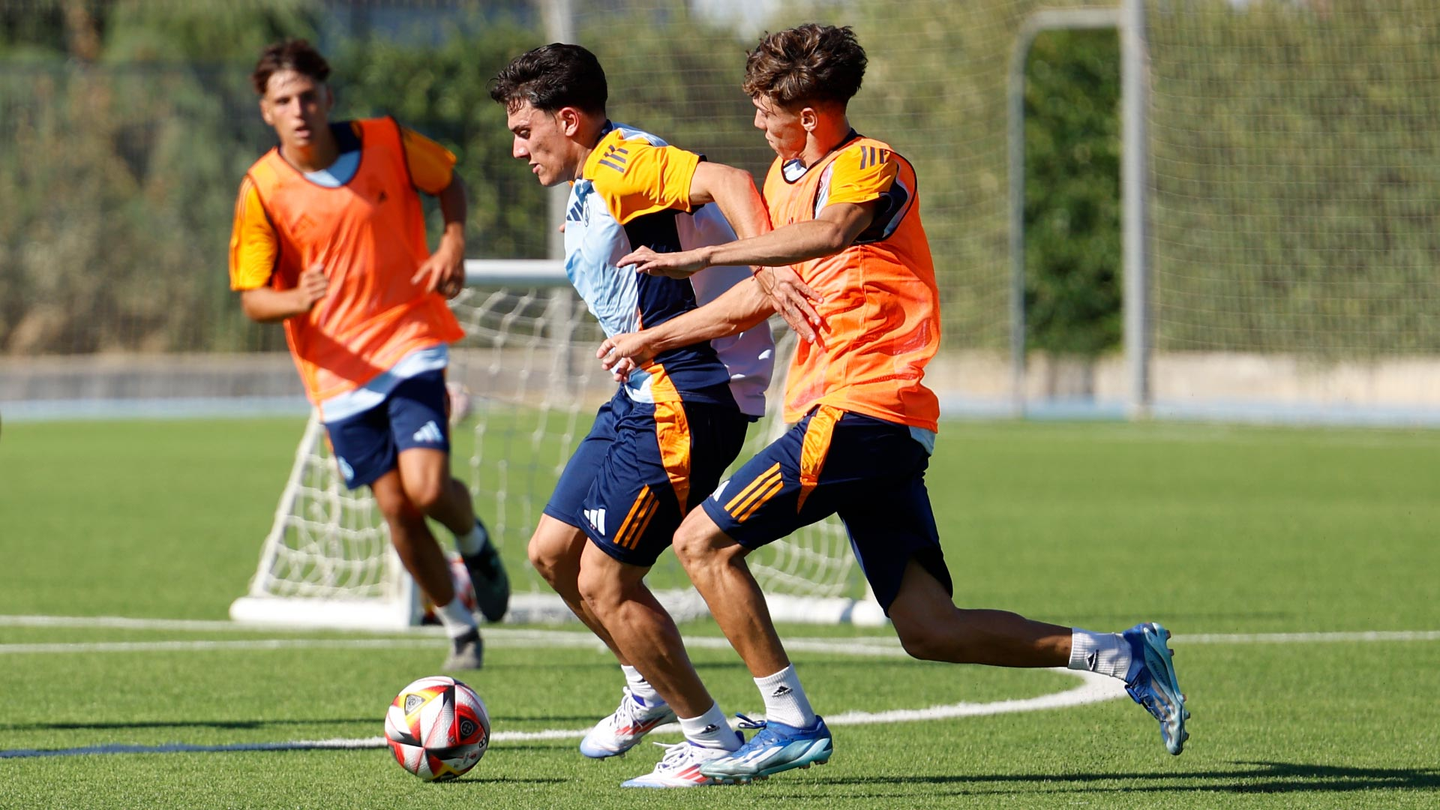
(617, 153)
(863, 152)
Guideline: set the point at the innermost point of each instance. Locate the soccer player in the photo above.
(846, 216)
(329, 238)
(663, 440)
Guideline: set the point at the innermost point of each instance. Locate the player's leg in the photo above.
(665, 456)
(646, 635)
(773, 494)
(893, 533)
(419, 415)
(555, 550)
(422, 556)
(364, 445)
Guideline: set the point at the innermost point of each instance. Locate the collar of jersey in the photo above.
(793, 170)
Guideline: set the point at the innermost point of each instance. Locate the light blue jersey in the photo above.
(634, 191)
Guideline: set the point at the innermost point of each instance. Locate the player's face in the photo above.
(297, 106)
(541, 142)
(783, 129)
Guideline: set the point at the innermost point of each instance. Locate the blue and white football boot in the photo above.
(776, 747)
(1151, 682)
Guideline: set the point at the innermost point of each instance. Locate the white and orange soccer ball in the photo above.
(437, 728)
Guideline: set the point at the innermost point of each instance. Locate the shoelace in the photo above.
(676, 756)
(763, 732)
(630, 710)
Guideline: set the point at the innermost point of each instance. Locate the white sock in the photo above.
(641, 688)
(710, 730)
(1105, 653)
(785, 700)
(456, 618)
(473, 542)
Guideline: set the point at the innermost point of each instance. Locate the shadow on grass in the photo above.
(1249, 778)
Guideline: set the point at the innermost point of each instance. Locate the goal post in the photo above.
(524, 389)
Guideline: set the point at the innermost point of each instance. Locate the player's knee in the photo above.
(426, 494)
(600, 590)
(549, 561)
(693, 543)
(925, 641)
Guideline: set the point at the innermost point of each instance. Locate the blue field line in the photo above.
(89, 410)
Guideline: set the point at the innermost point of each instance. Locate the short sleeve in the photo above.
(432, 166)
(253, 246)
(636, 177)
(862, 173)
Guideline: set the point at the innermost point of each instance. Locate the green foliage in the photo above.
(1293, 154)
(1072, 193)
(1296, 168)
(443, 93)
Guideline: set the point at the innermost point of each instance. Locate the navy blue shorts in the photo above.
(868, 471)
(641, 468)
(415, 414)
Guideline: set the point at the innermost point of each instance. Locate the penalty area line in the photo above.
(1092, 689)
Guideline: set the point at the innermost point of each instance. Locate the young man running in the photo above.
(846, 216)
(329, 238)
(674, 425)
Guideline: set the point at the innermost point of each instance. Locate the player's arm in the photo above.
(837, 227)
(432, 170)
(733, 191)
(253, 251)
(269, 305)
(739, 308)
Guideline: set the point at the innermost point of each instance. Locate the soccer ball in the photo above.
(437, 728)
(464, 590)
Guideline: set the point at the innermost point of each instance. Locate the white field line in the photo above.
(1093, 688)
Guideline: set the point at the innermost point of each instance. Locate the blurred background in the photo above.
(1287, 198)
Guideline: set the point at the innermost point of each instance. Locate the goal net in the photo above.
(525, 387)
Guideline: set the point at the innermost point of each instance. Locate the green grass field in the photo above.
(1214, 531)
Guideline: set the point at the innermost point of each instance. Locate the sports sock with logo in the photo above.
(1105, 653)
(710, 730)
(456, 618)
(472, 542)
(641, 688)
(785, 700)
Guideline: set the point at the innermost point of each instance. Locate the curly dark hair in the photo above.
(289, 54)
(810, 62)
(550, 77)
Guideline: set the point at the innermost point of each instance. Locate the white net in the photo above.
(525, 386)
(1293, 202)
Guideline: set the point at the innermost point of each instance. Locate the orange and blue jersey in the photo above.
(634, 191)
(880, 305)
(368, 234)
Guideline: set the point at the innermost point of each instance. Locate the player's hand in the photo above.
(793, 299)
(623, 353)
(443, 272)
(671, 265)
(311, 287)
